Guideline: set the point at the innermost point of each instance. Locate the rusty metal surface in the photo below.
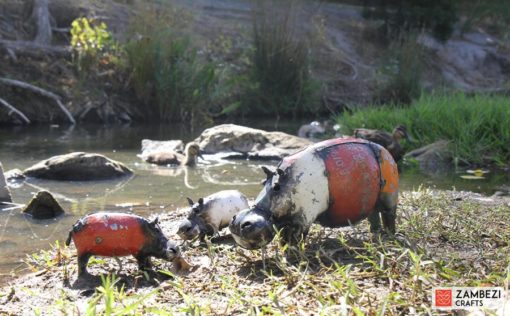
(357, 177)
(353, 181)
(110, 234)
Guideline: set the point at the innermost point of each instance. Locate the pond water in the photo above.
(152, 189)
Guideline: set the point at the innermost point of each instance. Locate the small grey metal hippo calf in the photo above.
(211, 214)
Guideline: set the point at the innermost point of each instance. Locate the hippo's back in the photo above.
(223, 205)
(109, 234)
(354, 181)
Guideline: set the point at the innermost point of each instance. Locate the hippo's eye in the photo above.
(276, 187)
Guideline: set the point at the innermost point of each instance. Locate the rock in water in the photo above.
(43, 206)
(150, 146)
(14, 175)
(5, 195)
(78, 166)
(434, 159)
(246, 142)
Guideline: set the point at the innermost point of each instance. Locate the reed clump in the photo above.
(478, 126)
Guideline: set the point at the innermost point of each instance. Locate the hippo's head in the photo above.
(253, 228)
(197, 222)
(158, 245)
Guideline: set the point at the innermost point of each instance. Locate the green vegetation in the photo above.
(439, 243)
(401, 73)
(176, 77)
(166, 72)
(280, 71)
(92, 44)
(478, 126)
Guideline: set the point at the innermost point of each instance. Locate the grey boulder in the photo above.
(433, 159)
(251, 143)
(78, 166)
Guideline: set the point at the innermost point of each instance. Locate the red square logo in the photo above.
(443, 298)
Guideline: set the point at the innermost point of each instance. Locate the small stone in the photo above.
(43, 206)
(14, 175)
(5, 194)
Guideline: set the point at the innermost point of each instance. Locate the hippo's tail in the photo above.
(69, 237)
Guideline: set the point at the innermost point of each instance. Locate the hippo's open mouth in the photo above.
(252, 228)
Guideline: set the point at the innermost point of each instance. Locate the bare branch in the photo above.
(40, 91)
(33, 49)
(13, 109)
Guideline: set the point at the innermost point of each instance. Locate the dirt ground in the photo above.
(444, 238)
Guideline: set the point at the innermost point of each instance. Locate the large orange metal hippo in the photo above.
(335, 183)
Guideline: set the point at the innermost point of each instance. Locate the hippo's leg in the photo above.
(292, 234)
(375, 222)
(144, 262)
(83, 259)
(388, 208)
(388, 218)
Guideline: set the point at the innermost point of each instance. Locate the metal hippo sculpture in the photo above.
(120, 234)
(335, 183)
(211, 214)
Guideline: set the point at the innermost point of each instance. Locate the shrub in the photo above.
(166, 72)
(402, 73)
(280, 61)
(92, 44)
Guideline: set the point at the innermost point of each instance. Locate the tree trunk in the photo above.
(41, 15)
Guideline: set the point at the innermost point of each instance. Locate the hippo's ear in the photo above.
(190, 201)
(155, 221)
(280, 172)
(268, 172)
(200, 201)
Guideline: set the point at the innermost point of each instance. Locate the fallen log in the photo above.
(13, 109)
(40, 91)
(35, 50)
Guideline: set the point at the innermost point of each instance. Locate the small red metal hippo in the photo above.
(117, 235)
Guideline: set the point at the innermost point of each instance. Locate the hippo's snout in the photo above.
(251, 229)
(172, 251)
(188, 230)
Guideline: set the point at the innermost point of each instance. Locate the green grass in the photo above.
(478, 126)
(444, 239)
